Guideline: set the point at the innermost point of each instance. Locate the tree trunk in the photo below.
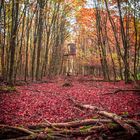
(15, 9)
(40, 32)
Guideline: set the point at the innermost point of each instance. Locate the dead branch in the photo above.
(79, 123)
(78, 132)
(130, 130)
(96, 80)
(81, 106)
(68, 130)
(122, 90)
(72, 124)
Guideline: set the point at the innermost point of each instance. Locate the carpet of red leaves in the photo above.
(37, 102)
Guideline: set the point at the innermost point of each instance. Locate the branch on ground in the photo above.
(81, 128)
(122, 90)
(130, 129)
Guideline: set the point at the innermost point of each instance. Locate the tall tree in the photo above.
(14, 27)
(39, 32)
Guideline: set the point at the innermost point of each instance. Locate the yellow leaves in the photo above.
(114, 56)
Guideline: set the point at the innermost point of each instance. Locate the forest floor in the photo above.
(36, 102)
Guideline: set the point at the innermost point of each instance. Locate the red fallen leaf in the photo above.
(36, 102)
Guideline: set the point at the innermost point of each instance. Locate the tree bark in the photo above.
(15, 10)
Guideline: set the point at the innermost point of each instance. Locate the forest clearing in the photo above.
(69, 70)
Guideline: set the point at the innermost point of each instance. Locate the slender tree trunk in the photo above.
(40, 32)
(136, 44)
(27, 48)
(125, 46)
(35, 46)
(119, 54)
(15, 9)
(113, 64)
(101, 46)
(2, 37)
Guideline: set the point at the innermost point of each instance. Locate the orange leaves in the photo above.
(86, 16)
(79, 2)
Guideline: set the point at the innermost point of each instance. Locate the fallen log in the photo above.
(130, 129)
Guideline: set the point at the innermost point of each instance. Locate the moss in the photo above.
(125, 113)
(85, 128)
(7, 88)
(49, 130)
(95, 117)
(112, 125)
